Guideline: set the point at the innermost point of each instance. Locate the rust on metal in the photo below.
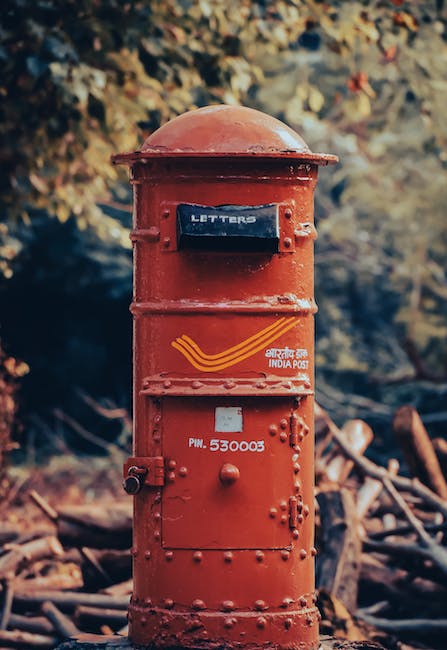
(223, 307)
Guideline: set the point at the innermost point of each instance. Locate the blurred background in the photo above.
(82, 80)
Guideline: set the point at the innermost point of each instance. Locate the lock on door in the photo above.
(141, 471)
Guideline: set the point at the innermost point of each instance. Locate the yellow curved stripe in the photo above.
(238, 359)
(252, 340)
(265, 339)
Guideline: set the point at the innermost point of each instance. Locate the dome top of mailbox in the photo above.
(225, 131)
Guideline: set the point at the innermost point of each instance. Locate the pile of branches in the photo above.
(72, 576)
(382, 571)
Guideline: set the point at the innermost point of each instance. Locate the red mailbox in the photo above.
(223, 308)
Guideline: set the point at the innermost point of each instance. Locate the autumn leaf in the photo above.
(359, 82)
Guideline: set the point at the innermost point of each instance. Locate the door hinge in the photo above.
(293, 512)
(148, 470)
(296, 429)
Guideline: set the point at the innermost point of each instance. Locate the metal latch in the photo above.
(140, 471)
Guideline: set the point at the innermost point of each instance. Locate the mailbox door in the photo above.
(199, 510)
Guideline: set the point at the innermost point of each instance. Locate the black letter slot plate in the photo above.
(228, 227)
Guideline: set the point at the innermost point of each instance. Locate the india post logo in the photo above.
(231, 356)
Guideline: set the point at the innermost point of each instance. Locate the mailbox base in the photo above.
(99, 642)
(247, 630)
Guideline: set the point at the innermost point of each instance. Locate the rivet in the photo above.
(166, 242)
(194, 625)
(307, 384)
(273, 512)
(283, 436)
(165, 214)
(283, 505)
(261, 622)
(171, 477)
(167, 383)
(172, 464)
(157, 419)
(313, 551)
(283, 423)
(296, 467)
(147, 602)
(303, 554)
(147, 555)
(295, 533)
(157, 516)
(227, 605)
(288, 623)
(300, 519)
(260, 605)
(228, 556)
(309, 621)
(287, 242)
(301, 437)
(306, 511)
(229, 384)
(284, 519)
(303, 601)
(156, 436)
(143, 620)
(286, 602)
(133, 551)
(157, 534)
(259, 556)
(229, 622)
(168, 603)
(288, 213)
(198, 604)
(261, 384)
(297, 454)
(169, 555)
(297, 486)
(197, 384)
(164, 622)
(306, 429)
(183, 471)
(273, 429)
(285, 555)
(197, 556)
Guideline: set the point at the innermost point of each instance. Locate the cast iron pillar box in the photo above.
(222, 467)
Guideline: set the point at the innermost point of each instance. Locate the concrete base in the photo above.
(99, 642)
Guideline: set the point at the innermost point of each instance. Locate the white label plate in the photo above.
(228, 419)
